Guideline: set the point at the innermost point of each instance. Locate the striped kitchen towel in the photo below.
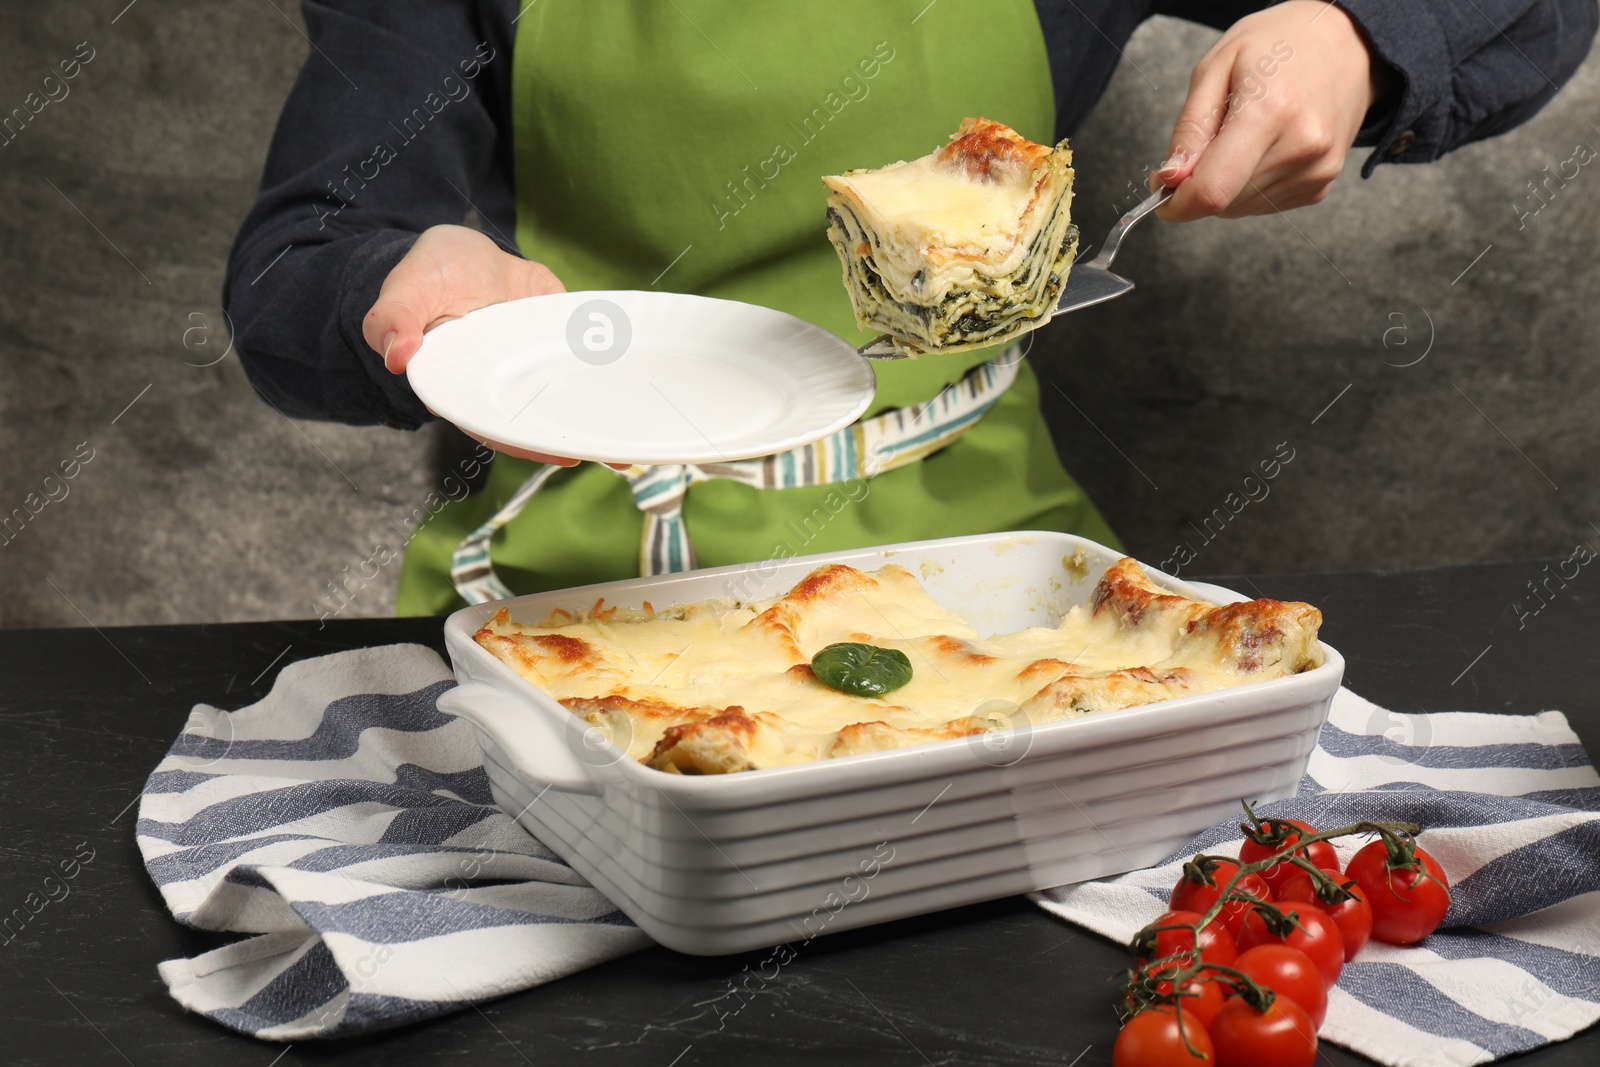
(347, 824)
(1510, 807)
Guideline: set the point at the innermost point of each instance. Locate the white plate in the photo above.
(636, 377)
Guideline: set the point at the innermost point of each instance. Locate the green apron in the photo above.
(679, 147)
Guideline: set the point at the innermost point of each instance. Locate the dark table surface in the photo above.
(85, 714)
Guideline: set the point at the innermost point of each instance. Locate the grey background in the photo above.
(202, 503)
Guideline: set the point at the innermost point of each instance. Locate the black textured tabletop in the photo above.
(85, 715)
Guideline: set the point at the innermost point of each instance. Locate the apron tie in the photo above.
(861, 450)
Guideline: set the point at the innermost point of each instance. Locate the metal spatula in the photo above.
(1087, 283)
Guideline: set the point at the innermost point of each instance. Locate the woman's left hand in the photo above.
(1273, 110)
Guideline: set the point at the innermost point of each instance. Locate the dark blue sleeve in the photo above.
(1468, 70)
(398, 121)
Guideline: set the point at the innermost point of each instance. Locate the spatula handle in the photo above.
(1108, 251)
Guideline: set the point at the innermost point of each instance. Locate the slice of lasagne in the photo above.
(963, 248)
(715, 686)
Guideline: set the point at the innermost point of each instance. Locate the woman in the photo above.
(629, 144)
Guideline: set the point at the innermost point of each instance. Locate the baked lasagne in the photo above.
(966, 247)
(718, 686)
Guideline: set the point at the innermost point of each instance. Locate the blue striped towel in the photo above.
(348, 825)
(1510, 807)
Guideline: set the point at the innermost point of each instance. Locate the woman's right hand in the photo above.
(450, 271)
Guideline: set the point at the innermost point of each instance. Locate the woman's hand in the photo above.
(1273, 110)
(450, 271)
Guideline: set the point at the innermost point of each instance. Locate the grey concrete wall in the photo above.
(1242, 332)
(202, 503)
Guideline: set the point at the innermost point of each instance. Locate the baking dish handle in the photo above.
(536, 751)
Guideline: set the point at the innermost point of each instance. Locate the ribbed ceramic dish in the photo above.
(641, 377)
(726, 863)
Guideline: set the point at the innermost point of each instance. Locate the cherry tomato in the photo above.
(1216, 943)
(1289, 973)
(1152, 1039)
(1320, 853)
(1353, 916)
(1281, 1036)
(1318, 937)
(1198, 897)
(1407, 905)
(1200, 998)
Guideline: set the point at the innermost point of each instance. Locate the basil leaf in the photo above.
(861, 670)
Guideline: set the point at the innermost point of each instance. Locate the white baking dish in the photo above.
(725, 863)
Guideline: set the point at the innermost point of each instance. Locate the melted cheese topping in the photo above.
(926, 203)
(965, 247)
(715, 687)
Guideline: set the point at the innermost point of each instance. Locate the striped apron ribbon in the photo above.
(861, 450)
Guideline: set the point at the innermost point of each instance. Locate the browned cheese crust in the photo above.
(715, 687)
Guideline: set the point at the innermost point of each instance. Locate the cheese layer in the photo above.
(967, 246)
(715, 686)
